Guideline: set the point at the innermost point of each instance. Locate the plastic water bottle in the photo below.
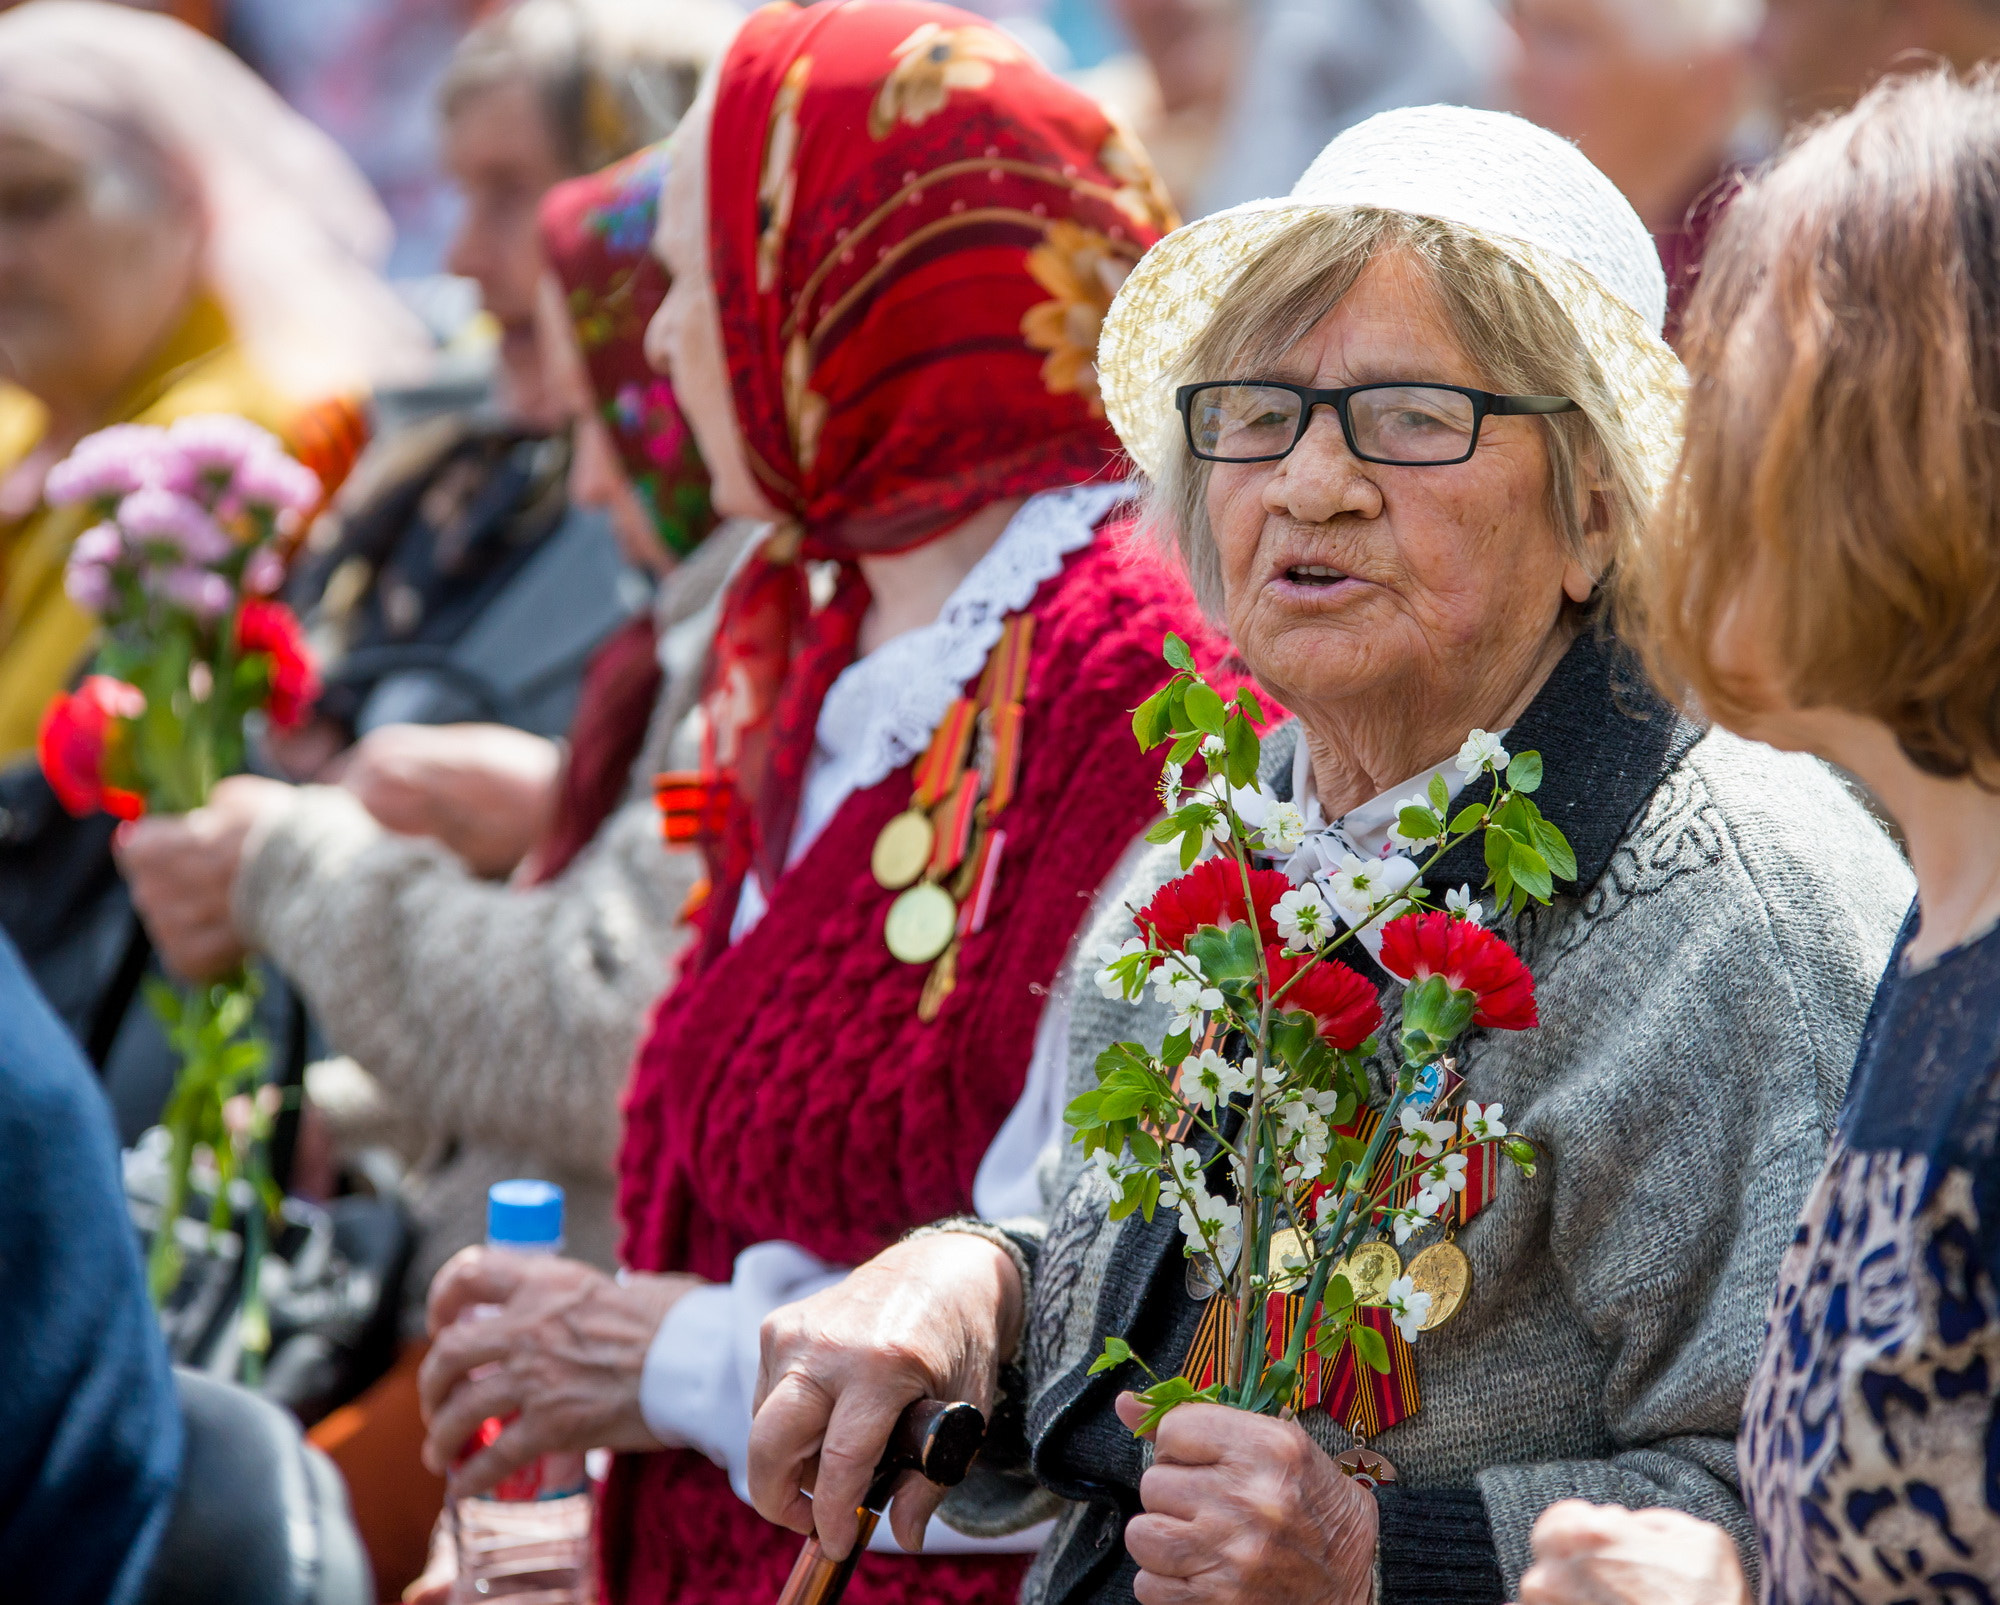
(527, 1539)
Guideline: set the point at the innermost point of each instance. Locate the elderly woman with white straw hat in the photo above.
(1402, 425)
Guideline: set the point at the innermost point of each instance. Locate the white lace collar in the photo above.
(879, 715)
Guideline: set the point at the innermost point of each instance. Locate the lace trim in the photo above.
(880, 714)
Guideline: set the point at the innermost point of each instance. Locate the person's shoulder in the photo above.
(49, 1099)
(1798, 828)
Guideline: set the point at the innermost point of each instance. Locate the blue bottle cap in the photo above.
(524, 1214)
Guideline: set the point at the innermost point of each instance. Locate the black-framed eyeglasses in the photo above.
(1409, 425)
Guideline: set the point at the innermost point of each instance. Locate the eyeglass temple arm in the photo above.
(1508, 406)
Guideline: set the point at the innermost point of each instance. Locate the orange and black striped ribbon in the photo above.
(943, 761)
(953, 837)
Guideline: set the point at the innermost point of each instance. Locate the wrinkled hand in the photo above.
(1244, 1507)
(1589, 1554)
(485, 791)
(562, 1357)
(181, 868)
(930, 1318)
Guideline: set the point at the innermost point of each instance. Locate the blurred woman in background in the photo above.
(1659, 94)
(173, 240)
(487, 1026)
(1826, 578)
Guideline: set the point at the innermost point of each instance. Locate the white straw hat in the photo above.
(1519, 187)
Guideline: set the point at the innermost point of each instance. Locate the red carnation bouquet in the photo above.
(192, 524)
(1257, 1118)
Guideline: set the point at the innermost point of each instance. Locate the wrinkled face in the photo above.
(1820, 54)
(1402, 590)
(684, 340)
(99, 258)
(502, 155)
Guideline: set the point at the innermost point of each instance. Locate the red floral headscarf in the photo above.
(597, 234)
(915, 231)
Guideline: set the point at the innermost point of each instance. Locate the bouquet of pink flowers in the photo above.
(1296, 1177)
(193, 521)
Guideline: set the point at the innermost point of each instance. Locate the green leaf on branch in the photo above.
(1339, 1295)
(1184, 747)
(1419, 824)
(1468, 818)
(1175, 651)
(1240, 753)
(1204, 708)
(1252, 709)
(1151, 723)
(1117, 1352)
(1525, 772)
(1225, 955)
(1369, 1347)
(1440, 794)
(1555, 847)
(1169, 1394)
(1530, 871)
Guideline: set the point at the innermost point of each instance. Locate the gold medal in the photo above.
(1443, 1271)
(1286, 1243)
(921, 923)
(902, 850)
(1369, 1271)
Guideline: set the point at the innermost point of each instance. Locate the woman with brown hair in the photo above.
(1827, 578)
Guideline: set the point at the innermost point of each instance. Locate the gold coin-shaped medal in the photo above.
(902, 850)
(1369, 1271)
(1287, 1244)
(1443, 1271)
(921, 923)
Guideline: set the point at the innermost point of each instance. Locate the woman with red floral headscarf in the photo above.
(892, 237)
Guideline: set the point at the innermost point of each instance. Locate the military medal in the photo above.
(902, 850)
(1365, 1466)
(942, 853)
(1443, 1271)
(1369, 1271)
(921, 923)
(1286, 1243)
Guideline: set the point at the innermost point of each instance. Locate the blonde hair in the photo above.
(1843, 437)
(1517, 336)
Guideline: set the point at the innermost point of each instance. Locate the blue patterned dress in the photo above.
(1870, 1451)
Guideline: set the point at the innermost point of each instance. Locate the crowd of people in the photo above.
(1622, 377)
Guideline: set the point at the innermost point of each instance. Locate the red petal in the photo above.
(1211, 894)
(1471, 958)
(1344, 1004)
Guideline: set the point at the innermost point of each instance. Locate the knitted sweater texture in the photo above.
(789, 1091)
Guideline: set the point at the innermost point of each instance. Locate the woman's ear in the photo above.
(1583, 574)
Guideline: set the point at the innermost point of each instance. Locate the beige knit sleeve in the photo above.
(497, 1016)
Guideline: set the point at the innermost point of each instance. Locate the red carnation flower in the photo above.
(79, 733)
(1211, 894)
(1470, 958)
(1343, 1003)
(272, 629)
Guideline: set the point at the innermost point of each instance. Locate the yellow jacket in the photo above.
(43, 635)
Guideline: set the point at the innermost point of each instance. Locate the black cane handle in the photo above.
(939, 1441)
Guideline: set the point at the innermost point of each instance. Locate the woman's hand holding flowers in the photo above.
(181, 868)
(1242, 1506)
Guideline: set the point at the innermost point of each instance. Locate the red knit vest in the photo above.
(788, 1090)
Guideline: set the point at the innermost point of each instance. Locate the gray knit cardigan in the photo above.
(1701, 1000)
(497, 1023)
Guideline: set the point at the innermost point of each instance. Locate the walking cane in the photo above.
(934, 1439)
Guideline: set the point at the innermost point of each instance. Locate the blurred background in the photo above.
(1233, 97)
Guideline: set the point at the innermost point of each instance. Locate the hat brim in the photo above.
(1172, 295)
